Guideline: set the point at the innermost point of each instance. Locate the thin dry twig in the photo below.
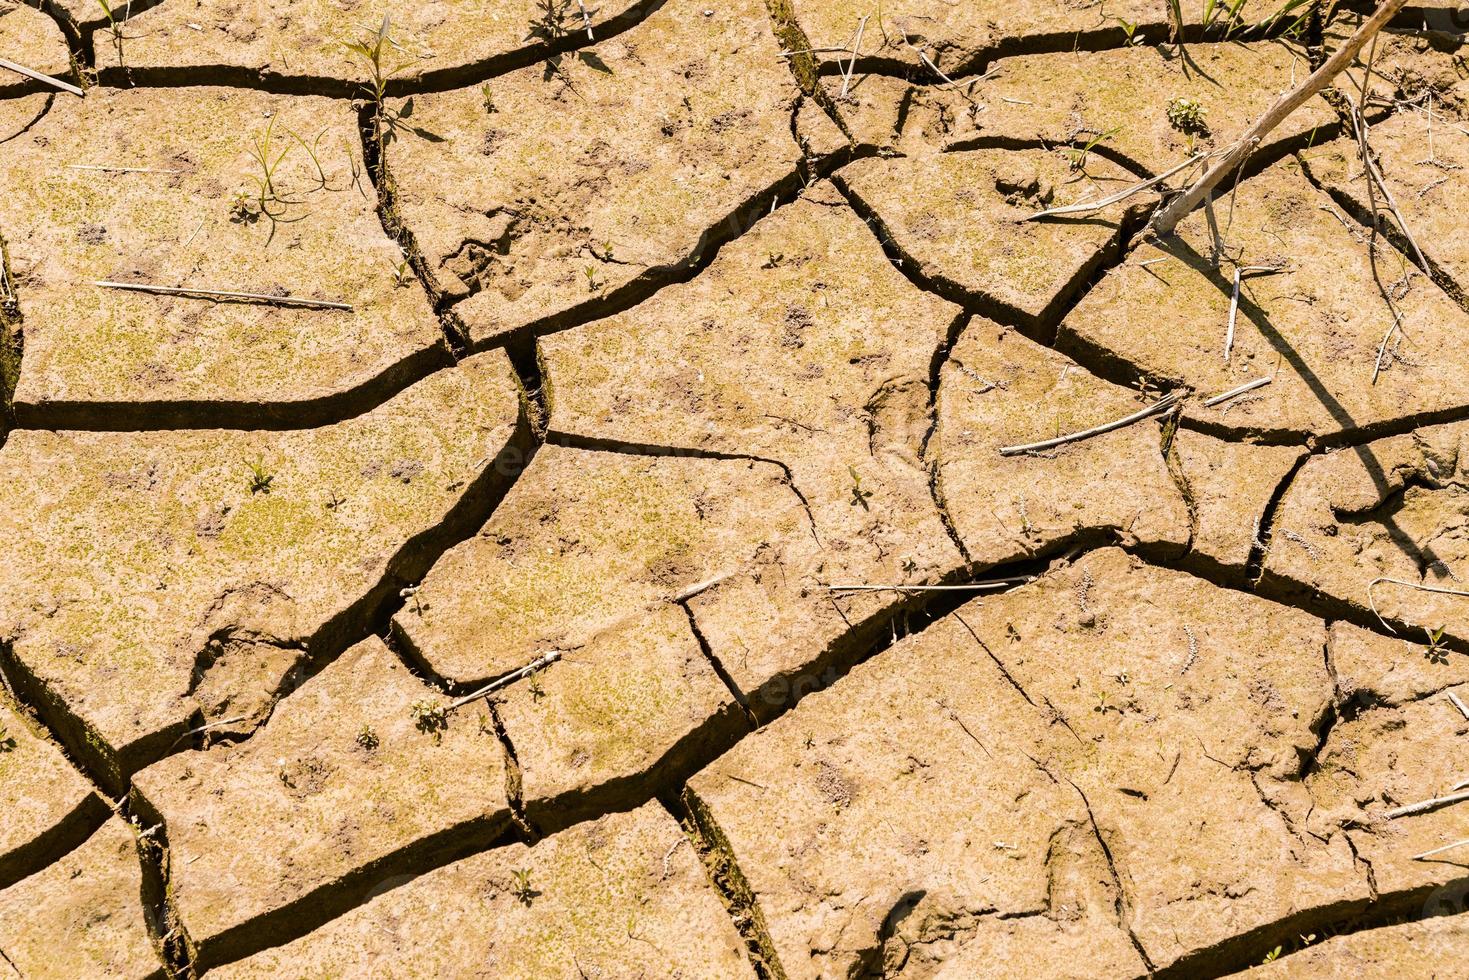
(1168, 217)
(120, 170)
(40, 77)
(1372, 602)
(544, 660)
(1236, 392)
(852, 62)
(1454, 699)
(1162, 404)
(994, 583)
(1233, 313)
(1087, 206)
(1440, 850)
(1423, 806)
(143, 287)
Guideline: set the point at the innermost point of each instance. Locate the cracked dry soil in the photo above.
(582, 547)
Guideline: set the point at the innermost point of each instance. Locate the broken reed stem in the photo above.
(544, 660)
(120, 170)
(38, 76)
(687, 593)
(1423, 806)
(994, 583)
(1372, 601)
(1233, 313)
(1454, 700)
(852, 62)
(142, 287)
(1440, 850)
(1087, 206)
(1236, 392)
(1168, 217)
(1166, 402)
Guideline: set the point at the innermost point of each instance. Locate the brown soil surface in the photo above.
(727, 535)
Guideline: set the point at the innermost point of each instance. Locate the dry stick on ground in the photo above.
(1423, 806)
(852, 62)
(1162, 404)
(1234, 303)
(120, 170)
(1236, 392)
(994, 583)
(1372, 602)
(142, 287)
(38, 76)
(544, 660)
(1168, 217)
(1439, 850)
(1454, 700)
(1088, 206)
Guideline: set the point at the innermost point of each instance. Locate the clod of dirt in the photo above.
(1427, 948)
(958, 38)
(1315, 326)
(953, 223)
(1394, 508)
(586, 541)
(267, 831)
(1229, 485)
(304, 40)
(96, 354)
(999, 389)
(112, 592)
(619, 167)
(30, 38)
(49, 808)
(82, 916)
(593, 727)
(621, 896)
(1121, 98)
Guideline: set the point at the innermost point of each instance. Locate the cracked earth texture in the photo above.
(581, 546)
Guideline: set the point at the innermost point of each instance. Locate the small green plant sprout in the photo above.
(810, 741)
(1129, 32)
(536, 690)
(242, 208)
(1436, 651)
(334, 500)
(859, 496)
(7, 741)
(486, 98)
(260, 477)
(773, 260)
(1271, 956)
(113, 29)
(1102, 707)
(373, 51)
(430, 717)
(522, 889)
(1187, 116)
(402, 274)
(1078, 155)
(367, 738)
(591, 273)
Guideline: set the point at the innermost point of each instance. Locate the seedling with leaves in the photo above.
(859, 496)
(260, 477)
(1129, 32)
(486, 98)
(367, 738)
(521, 888)
(536, 690)
(592, 283)
(402, 274)
(1078, 155)
(430, 717)
(1272, 956)
(373, 51)
(7, 741)
(1436, 651)
(1187, 116)
(113, 28)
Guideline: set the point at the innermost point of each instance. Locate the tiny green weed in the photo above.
(260, 477)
